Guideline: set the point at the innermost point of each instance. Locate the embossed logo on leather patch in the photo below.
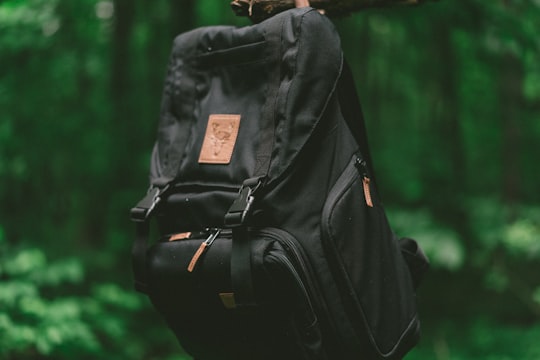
(219, 139)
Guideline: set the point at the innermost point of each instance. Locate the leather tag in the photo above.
(180, 236)
(219, 139)
(228, 300)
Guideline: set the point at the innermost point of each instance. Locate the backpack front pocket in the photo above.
(190, 285)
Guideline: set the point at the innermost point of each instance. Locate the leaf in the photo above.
(12, 291)
(112, 294)
(25, 262)
(68, 270)
(523, 237)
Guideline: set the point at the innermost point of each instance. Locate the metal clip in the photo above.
(142, 211)
(241, 207)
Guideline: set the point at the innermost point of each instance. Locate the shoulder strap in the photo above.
(241, 269)
(352, 113)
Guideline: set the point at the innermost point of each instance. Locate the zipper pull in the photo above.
(361, 165)
(367, 191)
(202, 249)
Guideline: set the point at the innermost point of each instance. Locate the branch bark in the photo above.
(259, 10)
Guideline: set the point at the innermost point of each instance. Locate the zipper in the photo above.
(284, 260)
(214, 233)
(298, 255)
(356, 168)
(344, 182)
(284, 238)
(361, 165)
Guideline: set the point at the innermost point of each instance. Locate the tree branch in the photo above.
(259, 10)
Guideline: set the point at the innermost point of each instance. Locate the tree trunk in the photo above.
(123, 24)
(259, 10)
(511, 103)
(512, 77)
(447, 171)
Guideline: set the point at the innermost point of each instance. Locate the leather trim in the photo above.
(219, 139)
(228, 300)
(180, 236)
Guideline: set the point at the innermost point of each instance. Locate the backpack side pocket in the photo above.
(366, 261)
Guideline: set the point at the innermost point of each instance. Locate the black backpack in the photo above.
(273, 241)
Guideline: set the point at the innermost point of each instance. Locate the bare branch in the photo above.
(259, 10)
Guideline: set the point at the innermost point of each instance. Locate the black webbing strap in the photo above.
(352, 113)
(238, 214)
(241, 276)
(268, 128)
(140, 214)
(237, 218)
(138, 256)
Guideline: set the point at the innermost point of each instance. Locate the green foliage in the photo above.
(32, 322)
(48, 309)
(442, 245)
(479, 339)
(24, 22)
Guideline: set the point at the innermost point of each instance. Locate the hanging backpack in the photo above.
(273, 243)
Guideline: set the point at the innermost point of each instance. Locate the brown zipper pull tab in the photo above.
(362, 168)
(367, 191)
(197, 256)
(202, 249)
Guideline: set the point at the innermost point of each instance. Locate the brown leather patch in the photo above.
(219, 139)
(180, 236)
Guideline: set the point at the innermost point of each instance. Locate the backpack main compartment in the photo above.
(267, 117)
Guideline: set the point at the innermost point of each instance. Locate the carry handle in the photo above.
(301, 3)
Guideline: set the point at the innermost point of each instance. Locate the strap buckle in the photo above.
(142, 211)
(242, 205)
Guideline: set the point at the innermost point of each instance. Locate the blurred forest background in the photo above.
(451, 94)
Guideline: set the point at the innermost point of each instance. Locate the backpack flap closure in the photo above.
(242, 102)
(241, 207)
(146, 206)
(311, 66)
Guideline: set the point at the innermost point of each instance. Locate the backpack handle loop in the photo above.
(301, 3)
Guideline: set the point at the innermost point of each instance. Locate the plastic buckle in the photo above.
(241, 207)
(142, 211)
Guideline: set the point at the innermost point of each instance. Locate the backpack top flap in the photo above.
(242, 102)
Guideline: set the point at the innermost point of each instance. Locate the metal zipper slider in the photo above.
(202, 249)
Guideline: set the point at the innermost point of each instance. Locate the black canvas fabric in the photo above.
(299, 260)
